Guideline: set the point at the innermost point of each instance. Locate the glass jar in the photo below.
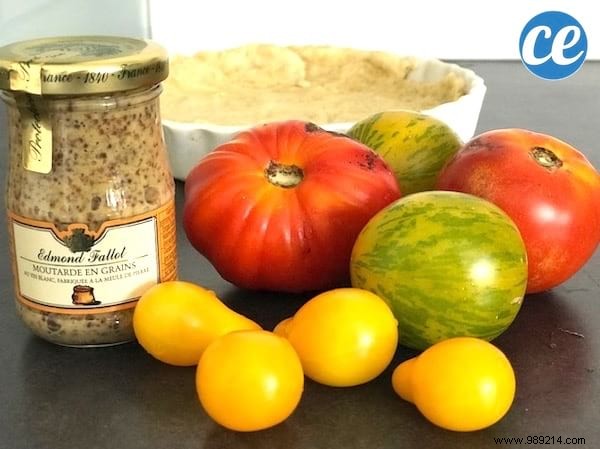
(90, 195)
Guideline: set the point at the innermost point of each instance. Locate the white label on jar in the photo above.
(80, 269)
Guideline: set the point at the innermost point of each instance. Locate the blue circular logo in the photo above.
(553, 45)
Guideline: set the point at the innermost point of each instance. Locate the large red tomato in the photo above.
(549, 189)
(279, 206)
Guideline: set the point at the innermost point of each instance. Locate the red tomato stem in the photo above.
(546, 158)
(282, 175)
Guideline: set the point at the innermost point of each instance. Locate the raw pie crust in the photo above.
(262, 83)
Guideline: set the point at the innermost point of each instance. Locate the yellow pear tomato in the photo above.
(460, 384)
(175, 321)
(344, 337)
(249, 380)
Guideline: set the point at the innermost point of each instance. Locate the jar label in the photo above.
(80, 271)
(37, 133)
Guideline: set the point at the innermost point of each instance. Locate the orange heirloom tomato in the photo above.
(279, 206)
(460, 384)
(249, 380)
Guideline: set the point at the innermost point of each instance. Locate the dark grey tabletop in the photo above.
(53, 397)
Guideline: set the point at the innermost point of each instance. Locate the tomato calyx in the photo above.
(282, 175)
(546, 158)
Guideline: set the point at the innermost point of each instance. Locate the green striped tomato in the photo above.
(448, 264)
(416, 146)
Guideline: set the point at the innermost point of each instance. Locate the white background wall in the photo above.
(447, 29)
(457, 29)
(29, 19)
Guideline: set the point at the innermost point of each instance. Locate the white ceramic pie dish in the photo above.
(187, 143)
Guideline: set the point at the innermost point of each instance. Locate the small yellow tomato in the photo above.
(460, 384)
(344, 337)
(249, 380)
(283, 327)
(175, 321)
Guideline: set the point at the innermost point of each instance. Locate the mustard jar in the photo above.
(90, 194)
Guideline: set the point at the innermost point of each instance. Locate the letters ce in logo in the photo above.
(553, 45)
